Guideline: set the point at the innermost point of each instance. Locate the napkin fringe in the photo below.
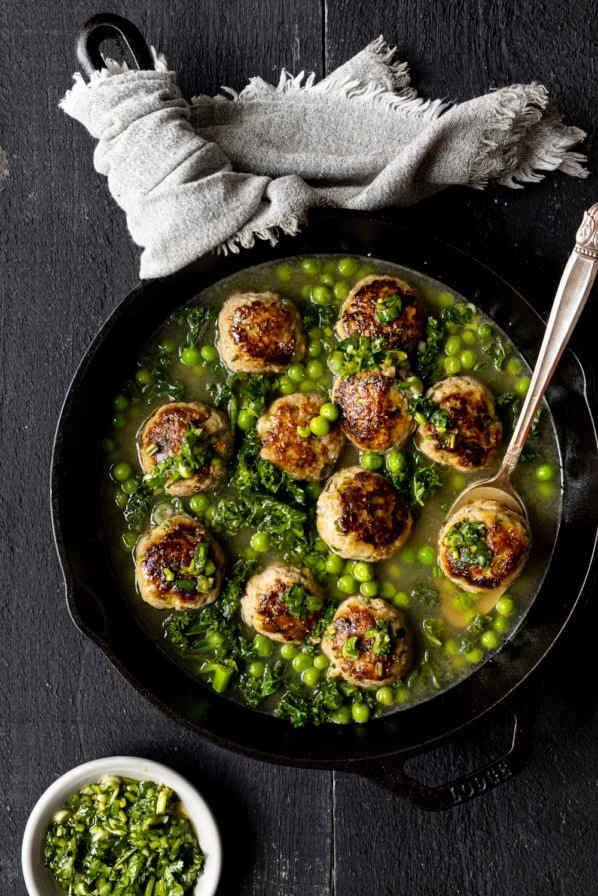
(290, 224)
(522, 118)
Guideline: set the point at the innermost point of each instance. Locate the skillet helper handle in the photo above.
(391, 775)
(107, 26)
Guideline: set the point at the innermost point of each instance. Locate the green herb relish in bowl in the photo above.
(109, 827)
(259, 517)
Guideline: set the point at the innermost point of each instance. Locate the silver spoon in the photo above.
(571, 296)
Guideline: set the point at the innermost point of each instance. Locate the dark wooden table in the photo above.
(66, 261)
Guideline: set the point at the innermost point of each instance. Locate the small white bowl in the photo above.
(39, 879)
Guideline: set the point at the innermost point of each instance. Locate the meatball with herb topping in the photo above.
(374, 409)
(386, 308)
(368, 643)
(185, 447)
(483, 546)
(360, 516)
(282, 603)
(288, 442)
(178, 565)
(259, 333)
(457, 424)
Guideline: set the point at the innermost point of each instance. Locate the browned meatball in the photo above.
(259, 332)
(178, 564)
(463, 431)
(361, 517)
(484, 546)
(311, 457)
(368, 643)
(373, 408)
(207, 435)
(264, 607)
(384, 307)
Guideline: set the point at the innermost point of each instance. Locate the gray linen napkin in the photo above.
(218, 172)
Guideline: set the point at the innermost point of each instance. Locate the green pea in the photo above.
(505, 606)
(284, 272)
(347, 584)
(349, 564)
(307, 386)
(321, 295)
(457, 481)
(371, 461)
(451, 647)
(385, 696)
(395, 462)
(401, 600)
(320, 545)
(130, 486)
(119, 420)
(314, 490)
(286, 385)
(120, 499)
(387, 590)
(315, 369)
(288, 651)
(301, 662)
(369, 589)
(260, 542)
(468, 337)
(263, 645)
(452, 345)
(445, 299)
(468, 360)
(311, 677)
(363, 571)
(209, 516)
(485, 331)
(310, 266)
(490, 639)
(501, 624)
(120, 402)
(513, 367)
(452, 365)
(364, 271)
(144, 377)
(190, 356)
(408, 555)
(306, 292)
(335, 362)
(474, 656)
(320, 662)
(545, 472)
(209, 353)
(334, 564)
(315, 333)
(129, 540)
(347, 267)
(121, 472)
(545, 489)
(304, 432)
(427, 555)
(328, 280)
(245, 420)
(342, 715)
(360, 712)
(199, 503)
(296, 372)
(313, 603)
(329, 267)
(330, 411)
(256, 669)
(340, 290)
(107, 445)
(522, 386)
(314, 349)
(167, 345)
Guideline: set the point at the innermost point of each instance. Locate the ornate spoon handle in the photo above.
(571, 296)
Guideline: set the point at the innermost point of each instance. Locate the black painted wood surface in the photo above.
(66, 261)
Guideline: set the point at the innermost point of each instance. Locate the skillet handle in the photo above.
(108, 26)
(391, 775)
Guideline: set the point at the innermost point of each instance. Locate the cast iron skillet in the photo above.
(379, 749)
